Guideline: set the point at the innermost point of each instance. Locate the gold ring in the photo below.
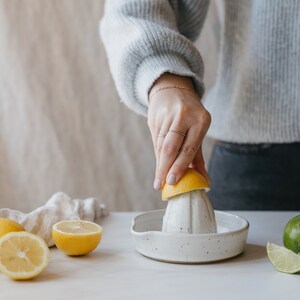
(178, 132)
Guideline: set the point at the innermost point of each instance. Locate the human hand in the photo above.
(178, 123)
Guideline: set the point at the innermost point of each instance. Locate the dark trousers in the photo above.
(255, 177)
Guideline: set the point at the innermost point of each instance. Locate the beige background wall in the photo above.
(62, 127)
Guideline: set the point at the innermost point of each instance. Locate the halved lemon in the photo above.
(283, 259)
(7, 225)
(192, 180)
(76, 237)
(23, 255)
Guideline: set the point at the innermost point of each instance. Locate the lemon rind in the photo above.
(170, 191)
(164, 198)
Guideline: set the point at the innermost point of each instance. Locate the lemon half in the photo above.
(192, 180)
(23, 255)
(76, 237)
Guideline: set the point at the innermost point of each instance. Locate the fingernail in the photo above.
(157, 184)
(171, 179)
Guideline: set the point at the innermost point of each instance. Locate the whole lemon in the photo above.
(291, 235)
(7, 225)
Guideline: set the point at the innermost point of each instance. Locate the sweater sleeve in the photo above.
(146, 38)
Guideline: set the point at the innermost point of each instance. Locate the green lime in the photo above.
(291, 234)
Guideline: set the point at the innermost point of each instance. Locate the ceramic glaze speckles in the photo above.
(227, 242)
(189, 212)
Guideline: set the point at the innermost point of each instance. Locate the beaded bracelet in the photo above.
(172, 87)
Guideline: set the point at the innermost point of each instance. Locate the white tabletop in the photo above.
(116, 271)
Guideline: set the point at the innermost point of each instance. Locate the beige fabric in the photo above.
(58, 208)
(61, 124)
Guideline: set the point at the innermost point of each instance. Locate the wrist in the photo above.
(169, 80)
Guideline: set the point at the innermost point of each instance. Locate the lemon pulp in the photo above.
(23, 255)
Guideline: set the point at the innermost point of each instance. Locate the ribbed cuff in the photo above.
(153, 67)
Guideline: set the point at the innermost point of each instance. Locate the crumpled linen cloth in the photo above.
(59, 207)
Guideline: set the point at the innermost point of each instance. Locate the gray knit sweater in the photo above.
(256, 98)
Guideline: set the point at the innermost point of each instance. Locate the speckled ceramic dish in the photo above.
(228, 242)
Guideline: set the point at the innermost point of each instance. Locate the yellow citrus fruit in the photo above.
(23, 255)
(76, 237)
(192, 180)
(7, 225)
